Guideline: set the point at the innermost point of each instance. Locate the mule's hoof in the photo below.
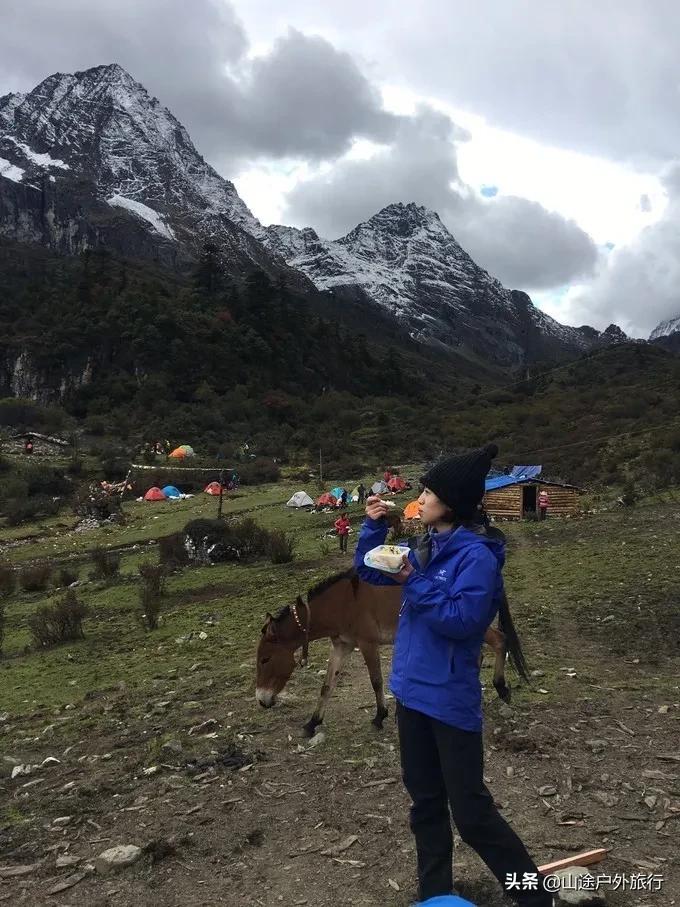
(377, 722)
(505, 693)
(310, 727)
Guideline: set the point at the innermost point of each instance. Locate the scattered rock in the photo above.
(160, 848)
(505, 711)
(117, 857)
(21, 769)
(173, 747)
(548, 790)
(578, 888)
(13, 872)
(340, 847)
(537, 673)
(191, 705)
(66, 860)
(605, 798)
(62, 821)
(204, 727)
(68, 882)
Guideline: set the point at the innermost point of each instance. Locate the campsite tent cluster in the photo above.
(170, 493)
(333, 498)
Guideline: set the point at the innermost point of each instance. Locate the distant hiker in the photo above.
(235, 480)
(343, 499)
(387, 475)
(342, 525)
(361, 491)
(28, 446)
(543, 503)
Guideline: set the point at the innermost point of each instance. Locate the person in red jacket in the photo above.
(342, 525)
(543, 503)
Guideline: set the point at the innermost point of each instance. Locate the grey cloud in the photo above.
(639, 287)
(516, 240)
(599, 77)
(645, 203)
(304, 98)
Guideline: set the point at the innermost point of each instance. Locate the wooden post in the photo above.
(219, 506)
(579, 859)
(320, 468)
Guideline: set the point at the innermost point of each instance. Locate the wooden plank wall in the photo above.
(506, 503)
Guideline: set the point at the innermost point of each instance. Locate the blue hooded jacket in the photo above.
(448, 603)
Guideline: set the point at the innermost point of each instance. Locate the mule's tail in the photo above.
(506, 625)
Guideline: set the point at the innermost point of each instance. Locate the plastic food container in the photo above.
(388, 558)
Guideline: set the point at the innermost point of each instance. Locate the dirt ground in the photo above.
(244, 812)
(256, 834)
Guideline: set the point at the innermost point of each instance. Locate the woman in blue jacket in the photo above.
(452, 583)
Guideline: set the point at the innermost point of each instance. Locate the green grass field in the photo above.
(560, 572)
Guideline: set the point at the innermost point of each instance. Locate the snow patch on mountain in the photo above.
(666, 328)
(42, 160)
(10, 171)
(141, 210)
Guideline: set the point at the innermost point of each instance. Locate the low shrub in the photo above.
(67, 575)
(23, 510)
(61, 622)
(8, 580)
(35, 577)
(281, 546)
(106, 564)
(172, 552)
(151, 592)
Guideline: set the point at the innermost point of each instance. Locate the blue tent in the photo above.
(337, 492)
(171, 492)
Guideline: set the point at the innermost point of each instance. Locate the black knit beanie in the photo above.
(459, 481)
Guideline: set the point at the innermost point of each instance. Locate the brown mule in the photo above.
(353, 613)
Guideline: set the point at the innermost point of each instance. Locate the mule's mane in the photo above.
(325, 584)
(317, 590)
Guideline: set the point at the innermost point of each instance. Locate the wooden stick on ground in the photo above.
(578, 859)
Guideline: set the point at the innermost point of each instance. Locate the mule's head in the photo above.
(275, 664)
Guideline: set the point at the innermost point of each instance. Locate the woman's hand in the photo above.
(406, 570)
(376, 508)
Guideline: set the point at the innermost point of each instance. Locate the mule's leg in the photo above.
(371, 653)
(339, 652)
(496, 639)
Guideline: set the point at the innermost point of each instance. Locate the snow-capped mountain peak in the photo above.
(666, 328)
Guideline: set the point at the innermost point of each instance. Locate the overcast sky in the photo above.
(545, 134)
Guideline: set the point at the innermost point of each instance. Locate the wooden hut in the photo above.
(515, 496)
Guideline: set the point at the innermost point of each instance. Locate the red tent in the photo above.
(396, 483)
(155, 494)
(326, 500)
(212, 488)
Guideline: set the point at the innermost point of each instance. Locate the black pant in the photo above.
(343, 542)
(443, 766)
(543, 511)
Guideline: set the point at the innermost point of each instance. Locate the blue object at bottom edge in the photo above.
(445, 900)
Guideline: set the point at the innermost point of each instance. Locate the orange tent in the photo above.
(155, 494)
(411, 511)
(396, 483)
(212, 488)
(326, 500)
(182, 452)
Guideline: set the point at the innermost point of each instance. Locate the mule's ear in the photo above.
(269, 629)
(268, 626)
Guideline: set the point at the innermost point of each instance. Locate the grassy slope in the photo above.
(582, 570)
